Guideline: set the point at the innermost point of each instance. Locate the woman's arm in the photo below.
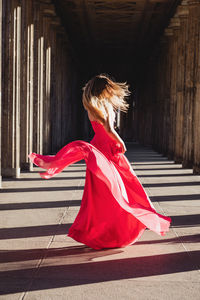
(111, 131)
(113, 134)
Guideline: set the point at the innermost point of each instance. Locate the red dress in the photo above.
(115, 209)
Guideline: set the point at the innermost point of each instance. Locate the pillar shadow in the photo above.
(34, 231)
(39, 178)
(185, 220)
(73, 171)
(169, 184)
(175, 197)
(155, 169)
(167, 175)
(143, 159)
(194, 238)
(164, 163)
(65, 170)
(61, 229)
(42, 189)
(33, 254)
(73, 274)
(36, 205)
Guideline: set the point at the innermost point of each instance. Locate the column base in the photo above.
(170, 156)
(27, 166)
(187, 164)
(11, 172)
(196, 170)
(178, 160)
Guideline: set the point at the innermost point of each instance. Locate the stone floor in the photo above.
(38, 261)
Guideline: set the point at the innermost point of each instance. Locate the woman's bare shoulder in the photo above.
(92, 118)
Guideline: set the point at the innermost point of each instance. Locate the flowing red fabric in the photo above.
(115, 209)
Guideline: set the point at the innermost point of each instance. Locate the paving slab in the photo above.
(39, 261)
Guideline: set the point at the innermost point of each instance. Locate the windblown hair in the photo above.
(100, 94)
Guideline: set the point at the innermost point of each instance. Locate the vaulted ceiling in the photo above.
(102, 30)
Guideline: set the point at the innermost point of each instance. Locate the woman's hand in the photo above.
(119, 148)
(123, 147)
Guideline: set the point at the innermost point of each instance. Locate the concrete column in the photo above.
(11, 106)
(37, 104)
(165, 95)
(27, 64)
(196, 121)
(47, 111)
(182, 12)
(174, 25)
(1, 42)
(188, 147)
(48, 15)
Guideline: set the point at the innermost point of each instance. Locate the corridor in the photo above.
(49, 49)
(38, 260)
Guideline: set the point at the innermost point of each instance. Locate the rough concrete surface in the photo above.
(38, 260)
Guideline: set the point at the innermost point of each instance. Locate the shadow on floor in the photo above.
(166, 175)
(32, 254)
(194, 238)
(39, 178)
(184, 197)
(35, 205)
(154, 169)
(42, 189)
(34, 231)
(185, 221)
(83, 250)
(72, 274)
(65, 170)
(163, 163)
(168, 184)
(61, 229)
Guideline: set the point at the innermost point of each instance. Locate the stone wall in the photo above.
(169, 92)
(39, 83)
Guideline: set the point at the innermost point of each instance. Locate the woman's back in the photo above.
(104, 142)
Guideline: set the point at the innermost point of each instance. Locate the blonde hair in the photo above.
(101, 93)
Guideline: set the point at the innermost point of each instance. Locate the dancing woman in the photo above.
(115, 209)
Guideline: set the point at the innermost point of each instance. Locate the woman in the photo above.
(115, 210)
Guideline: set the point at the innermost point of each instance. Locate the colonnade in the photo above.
(40, 98)
(169, 92)
(39, 83)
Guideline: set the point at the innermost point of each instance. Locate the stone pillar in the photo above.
(48, 125)
(40, 83)
(1, 43)
(153, 110)
(54, 101)
(11, 101)
(174, 25)
(196, 121)
(166, 66)
(37, 120)
(188, 147)
(182, 12)
(27, 85)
